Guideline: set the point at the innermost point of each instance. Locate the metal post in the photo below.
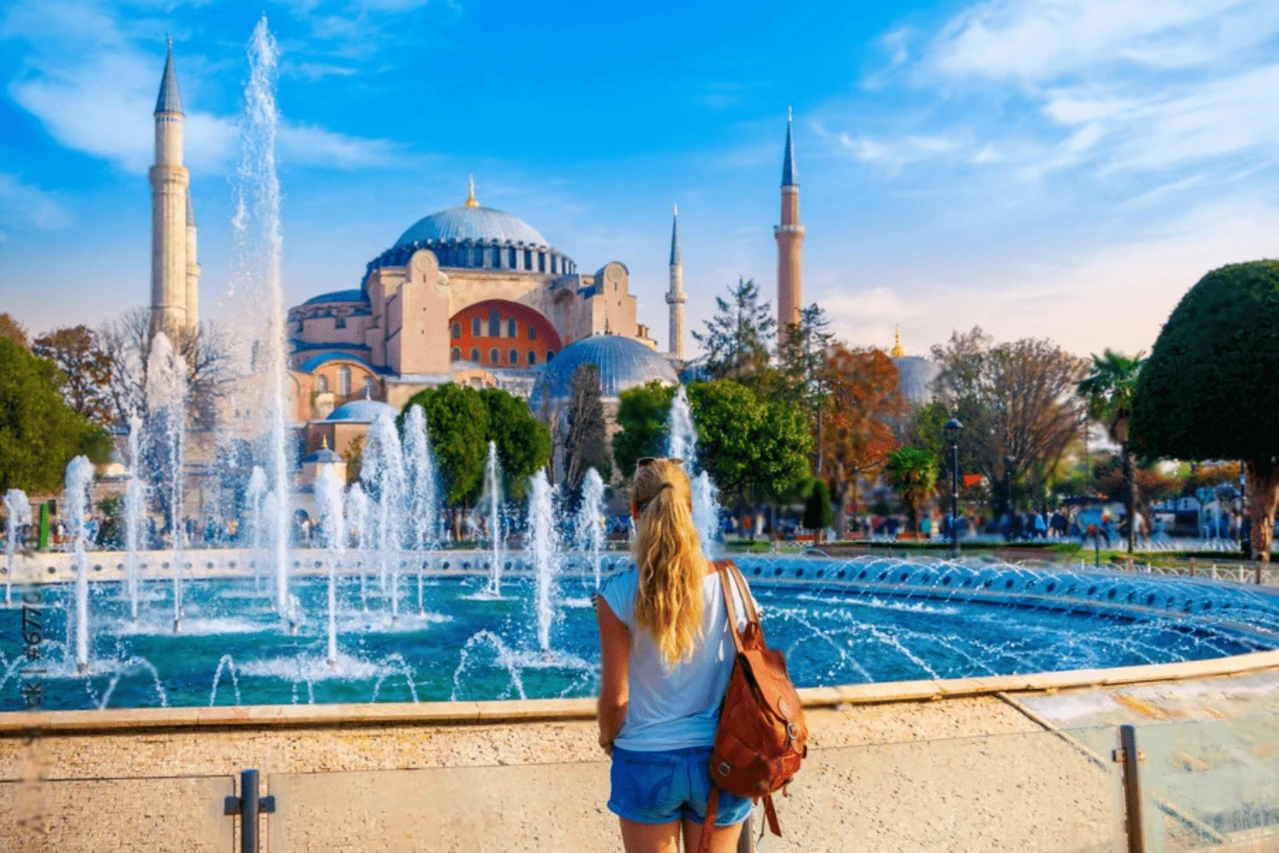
(248, 806)
(954, 502)
(1130, 757)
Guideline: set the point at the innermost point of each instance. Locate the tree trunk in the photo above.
(841, 509)
(1263, 499)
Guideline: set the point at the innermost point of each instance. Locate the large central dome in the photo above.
(476, 224)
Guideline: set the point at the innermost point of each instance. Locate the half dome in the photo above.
(624, 363)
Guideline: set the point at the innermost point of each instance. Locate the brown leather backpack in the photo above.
(762, 736)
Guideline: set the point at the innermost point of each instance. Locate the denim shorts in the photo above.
(665, 786)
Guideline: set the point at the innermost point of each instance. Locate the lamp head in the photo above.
(953, 430)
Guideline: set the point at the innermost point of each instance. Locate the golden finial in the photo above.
(324, 442)
(470, 194)
(898, 350)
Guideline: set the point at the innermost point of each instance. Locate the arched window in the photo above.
(541, 261)
(510, 261)
(528, 259)
(532, 357)
(479, 256)
(457, 330)
(512, 357)
(532, 332)
(456, 354)
(344, 381)
(475, 354)
(366, 387)
(550, 354)
(322, 384)
(495, 324)
(512, 328)
(494, 356)
(477, 327)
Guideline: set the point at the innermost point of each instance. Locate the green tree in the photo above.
(39, 432)
(817, 509)
(457, 421)
(462, 421)
(752, 448)
(738, 337)
(85, 370)
(13, 330)
(912, 473)
(1208, 390)
(523, 442)
(643, 413)
(1108, 391)
(805, 373)
(586, 445)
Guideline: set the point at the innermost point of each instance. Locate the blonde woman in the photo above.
(667, 656)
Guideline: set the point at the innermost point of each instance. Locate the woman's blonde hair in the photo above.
(669, 555)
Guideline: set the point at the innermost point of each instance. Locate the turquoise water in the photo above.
(881, 621)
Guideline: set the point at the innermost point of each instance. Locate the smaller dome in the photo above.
(624, 363)
(323, 456)
(356, 295)
(915, 376)
(361, 411)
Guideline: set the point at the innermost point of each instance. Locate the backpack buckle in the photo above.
(725, 768)
(791, 731)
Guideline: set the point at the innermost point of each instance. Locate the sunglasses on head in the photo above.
(649, 460)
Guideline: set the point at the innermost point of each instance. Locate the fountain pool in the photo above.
(839, 621)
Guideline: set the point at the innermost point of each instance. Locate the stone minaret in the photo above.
(174, 276)
(790, 241)
(675, 297)
(193, 271)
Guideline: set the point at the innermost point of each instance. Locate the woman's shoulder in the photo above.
(619, 591)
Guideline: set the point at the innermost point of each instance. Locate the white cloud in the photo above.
(26, 204)
(95, 93)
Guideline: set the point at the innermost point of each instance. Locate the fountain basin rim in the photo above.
(114, 720)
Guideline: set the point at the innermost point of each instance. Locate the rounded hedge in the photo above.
(1210, 389)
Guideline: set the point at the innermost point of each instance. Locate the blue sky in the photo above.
(1059, 168)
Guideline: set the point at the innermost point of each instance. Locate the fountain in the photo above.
(258, 251)
(382, 472)
(493, 491)
(167, 397)
(255, 498)
(79, 481)
(681, 443)
(590, 528)
(328, 492)
(134, 512)
(357, 512)
(17, 514)
(423, 503)
(544, 553)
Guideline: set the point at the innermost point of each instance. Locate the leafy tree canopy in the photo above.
(817, 509)
(13, 330)
(85, 370)
(912, 472)
(39, 432)
(462, 421)
(751, 447)
(738, 338)
(643, 414)
(1209, 390)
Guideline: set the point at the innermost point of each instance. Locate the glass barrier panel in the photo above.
(1211, 784)
(137, 815)
(1037, 791)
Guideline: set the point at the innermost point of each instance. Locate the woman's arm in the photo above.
(615, 653)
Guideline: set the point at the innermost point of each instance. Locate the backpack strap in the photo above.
(721, 566)
(708, 826)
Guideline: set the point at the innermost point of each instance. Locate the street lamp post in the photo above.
(953, 430)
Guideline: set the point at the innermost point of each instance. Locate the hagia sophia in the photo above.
(469, 294)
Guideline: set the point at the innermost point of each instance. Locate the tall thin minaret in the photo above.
(173, 286)
(193, 270)
(675, 297)
(790, 241)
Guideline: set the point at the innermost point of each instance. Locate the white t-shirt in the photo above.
(677, 706)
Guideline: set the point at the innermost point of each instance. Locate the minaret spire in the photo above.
(174, 271)
(470, 193)
(675, 298)
(898, 351)
(790, 240)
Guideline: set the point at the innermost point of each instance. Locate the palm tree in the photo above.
(912, 472)
(1109, 390)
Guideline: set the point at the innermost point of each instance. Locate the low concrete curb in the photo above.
(115, 721)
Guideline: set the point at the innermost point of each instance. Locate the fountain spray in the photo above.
(544, 551)
(18, 511)
(422, 498)
(79, 479)
(357, 511)
(260, 245)
(328, 493)
(167, 395)
(590, 532)
(382, 471)
(493, 488)
(134, 508)
(681, 443)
